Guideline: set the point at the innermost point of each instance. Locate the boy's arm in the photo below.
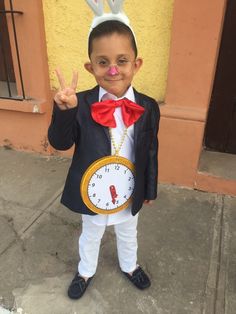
(152, 165)
(62, 132)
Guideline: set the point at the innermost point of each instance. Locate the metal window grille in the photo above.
(8, 88)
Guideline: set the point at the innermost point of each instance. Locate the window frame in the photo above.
(31, 40)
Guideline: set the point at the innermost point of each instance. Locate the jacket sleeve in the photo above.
(63, 131)
(151, 173)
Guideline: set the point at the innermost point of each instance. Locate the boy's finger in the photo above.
(149, 202)
(60, 78)
(74, 81)
(64, 98)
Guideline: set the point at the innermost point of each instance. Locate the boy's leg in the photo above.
(89, 246)
(127, 244)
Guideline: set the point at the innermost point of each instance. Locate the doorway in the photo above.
(220, 133)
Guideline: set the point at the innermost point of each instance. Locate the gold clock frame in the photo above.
(90, 172)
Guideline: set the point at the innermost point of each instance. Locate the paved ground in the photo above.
(187, 244)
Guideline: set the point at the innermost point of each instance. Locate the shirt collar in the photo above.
(129, 94)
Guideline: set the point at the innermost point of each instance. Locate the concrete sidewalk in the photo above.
(187, 244)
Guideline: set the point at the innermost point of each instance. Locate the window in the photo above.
(8, 86)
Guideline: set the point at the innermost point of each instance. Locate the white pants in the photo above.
(90, 240)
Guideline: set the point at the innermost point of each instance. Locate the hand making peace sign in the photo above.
(66, 97)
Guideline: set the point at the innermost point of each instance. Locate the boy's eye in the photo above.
(121, 62)
(103, 63)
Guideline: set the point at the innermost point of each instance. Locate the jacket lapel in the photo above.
(91, 98)
(137, 125)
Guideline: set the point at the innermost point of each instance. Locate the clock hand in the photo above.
(113, 193)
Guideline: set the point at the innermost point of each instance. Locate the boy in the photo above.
(113, 63)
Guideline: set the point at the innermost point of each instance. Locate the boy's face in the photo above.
(113, 63)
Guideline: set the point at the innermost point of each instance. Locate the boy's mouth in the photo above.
(112, 80)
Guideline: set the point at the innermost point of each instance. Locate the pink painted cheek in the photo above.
(113, 70)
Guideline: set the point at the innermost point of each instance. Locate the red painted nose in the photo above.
(113, 70)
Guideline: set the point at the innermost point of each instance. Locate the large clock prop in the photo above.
(108, 184)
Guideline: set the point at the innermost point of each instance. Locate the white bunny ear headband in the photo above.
(116, 14)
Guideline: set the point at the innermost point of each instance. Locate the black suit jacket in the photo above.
(92, 141)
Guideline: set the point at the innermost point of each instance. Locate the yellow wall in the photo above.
(67, 24)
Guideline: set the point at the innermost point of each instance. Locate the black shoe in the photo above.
(78, 286)
(139, 278)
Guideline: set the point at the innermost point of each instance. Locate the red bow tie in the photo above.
(102, 112)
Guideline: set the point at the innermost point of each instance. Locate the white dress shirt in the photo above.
(127, 151)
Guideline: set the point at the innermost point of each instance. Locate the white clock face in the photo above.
(111, 186)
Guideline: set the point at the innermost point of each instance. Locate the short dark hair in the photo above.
(109, 28)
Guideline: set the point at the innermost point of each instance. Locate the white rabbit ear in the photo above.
(96, 6)
(115, 6)
(116, 14)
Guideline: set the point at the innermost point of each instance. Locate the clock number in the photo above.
(125, 171)
(99, 176)
(130, 188)
(107, 169)
(107, 204)
(93, 185)
(99, 200)
(117, 167)
(130, 178)
(125, 196)
(94, 195)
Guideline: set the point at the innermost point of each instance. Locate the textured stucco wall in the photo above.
(67, 24)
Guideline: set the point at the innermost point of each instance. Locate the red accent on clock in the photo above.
(113, 193)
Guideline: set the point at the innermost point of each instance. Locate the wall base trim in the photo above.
(208, 183)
